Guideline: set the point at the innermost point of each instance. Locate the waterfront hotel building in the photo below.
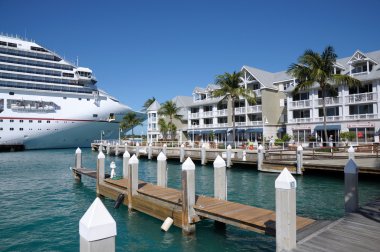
(279, 111)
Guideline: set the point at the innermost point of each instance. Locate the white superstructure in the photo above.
(47, 102)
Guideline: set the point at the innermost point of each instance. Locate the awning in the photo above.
(240, 130)
(254, 130)
(328, 127)
(195, 132)
(205, 131)
(219, 131)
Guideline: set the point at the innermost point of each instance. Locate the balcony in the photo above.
(329, 101)
(361, 98)
(300, 104)
(240, 110)
(207, 114)
(208, 125)
(240, 123)
(329, 119)
(301, 120)
(221, 112)
(194, 115)
(361, 116)
(255, 109)
(254, 123)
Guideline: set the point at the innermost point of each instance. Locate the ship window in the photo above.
(3, 43)
(21, 121)
(79, 98)
(11, 120)
(88, 99)
(95, 115)
(11, 93)
(12, 44)
(1, 128)
(39, 121)
(30, 121)
(64, 98)
(1, 120)
(11, 129)
(47, 121)
(21, 129)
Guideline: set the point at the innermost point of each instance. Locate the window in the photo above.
(362, 89)
(11, 129)
(222, 119)
(21, 129)
(332, 111)
(94, 115)
(64, 98)
(301, 114)
(47, 121)
(11, 93)
(79, 98)
(194, 110)
(361, 109)
(21, 121)
(11, 120)
(301, 135)
(301, 96)
(88, 99)
(30, 121)
(207, 121)
(39, 121)
(1, 128)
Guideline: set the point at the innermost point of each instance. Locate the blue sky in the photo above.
(140, 49)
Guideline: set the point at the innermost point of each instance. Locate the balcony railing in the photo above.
(254, 123)
(207, 114)
(240, 110)
(329, 119)
(329, 101)
(360, 98)
(240, 123)
(194, 115)
(255, 109)
(300, 120)
(361, 116)
(221, 112)
(300, 104)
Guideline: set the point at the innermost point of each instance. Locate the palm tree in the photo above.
(170, 109)
(313, 68)
(148, 102)
(231, 90)
(163, 127)
(130, 121)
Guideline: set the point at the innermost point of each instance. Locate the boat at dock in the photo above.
(48, 102)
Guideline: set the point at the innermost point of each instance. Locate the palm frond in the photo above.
(345, 80)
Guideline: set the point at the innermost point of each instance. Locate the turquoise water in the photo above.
(41, 204)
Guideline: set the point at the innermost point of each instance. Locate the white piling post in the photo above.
(351, 153)
(351, 193)
(97, 229)
(117, 149)
(229, 151)
(113, 166)
(260, 157)
(126, 157)
(100, 171)
(244, 155)
(285, 185)
(188, 196)
(78, 158)
(100, 148)
(164, 149)
(108, 149)
(137, 149)
(150, 151)
(161, 170)
(299, 159)
(220, 179)
(182, 153)
(203, 154)
(125, 147)
(133, 179)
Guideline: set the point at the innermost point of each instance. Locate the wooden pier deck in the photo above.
(358, 232)
(161, 202)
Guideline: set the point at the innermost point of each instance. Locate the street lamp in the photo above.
(101, 136)
(120, 130)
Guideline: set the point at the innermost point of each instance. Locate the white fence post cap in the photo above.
(188, 165)
(112, 165)
(137, 144)
(351, 149)
(101, 155)
(108, 144)
(126, 154)
(182, 146)
(161, 156)
(299, 148)
(203, 145)
(229, 147)
(133, 160)
(260, 147)
(97, 223)
(150, 144)
(351, 167)
(78, 151)
(285, 180)
(164, 145)
(219, 162)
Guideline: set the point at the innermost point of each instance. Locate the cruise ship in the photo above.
(48, 102)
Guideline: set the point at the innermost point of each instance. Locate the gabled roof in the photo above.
(183, 101)
(358, 55)
(155, 106)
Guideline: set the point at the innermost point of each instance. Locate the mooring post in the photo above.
(220, 179)
(351, 193)
(299, 159)
(100, 171)
(203, 154)
(137, 149)
(188, 196)
(117, 149)
(108, 150)
(229, 151)
(97, 229)
(351, 153)
(161, 170)
(126, 157)
(182, 153)
(150, 151)
(125, 147)
(78, 163)
(133, 179)
(285, 185)
(164, 149)
(100, 148)
(244, 155)
(260, 157)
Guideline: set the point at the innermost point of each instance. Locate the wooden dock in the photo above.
(161, 203)
(357, 232)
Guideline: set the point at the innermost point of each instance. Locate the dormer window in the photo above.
(360, 63)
